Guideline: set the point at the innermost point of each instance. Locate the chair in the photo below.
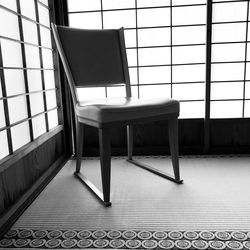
(94, 58)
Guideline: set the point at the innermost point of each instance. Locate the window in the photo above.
(28, 104)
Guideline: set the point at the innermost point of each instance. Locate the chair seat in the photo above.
(122, 109)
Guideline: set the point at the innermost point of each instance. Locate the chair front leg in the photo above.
(105, 159)
(79, 138)
(130, 141)
(174, 145)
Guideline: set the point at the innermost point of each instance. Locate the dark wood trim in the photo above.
(9, 218)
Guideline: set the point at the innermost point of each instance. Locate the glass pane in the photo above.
(36, 103)
(11, 4)
(20, 135)
(118, 4)
(189, 35)
(118, 19)
(132, 57)
(32, 57)
(154, 75)
(9, 24)
(189, 54)
(76, 5)
(194, 109)
(152, 91)
(231, 90)
(53, 119)
(47, 59)
(153, 17)
(227, 71)
(189, 73)
(152, 3)
(154, 37)
(90, 93)
(2, 116)
(14, 82)
(228, 52)
(135, 92)
(130, 38)
(49, 79)
(11, 53)
(51, 99)
(116, 91)
(226, 109)
(154, 56)
(247, 109)
(226, 12)
(86, 20)
(17, 108)
(195, 91)
(39, 126)
(4, 150)
(30, 32)
(232, 32)
(34, 80)
(45, 37)
(28, 8)
(43, 15)
(248, 71)
(133, 76)
(189, 15)
(247, 90)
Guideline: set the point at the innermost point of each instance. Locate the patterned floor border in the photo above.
(125, 239)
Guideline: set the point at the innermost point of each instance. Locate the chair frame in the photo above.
(104, 131)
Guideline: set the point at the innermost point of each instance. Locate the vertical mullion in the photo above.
(25, 70)
(245, 63)
(5, 104)
(137, 52)
(208, 76)
(171, 47)
(41, 64)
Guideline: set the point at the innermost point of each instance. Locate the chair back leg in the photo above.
(105, 159)
(79, 138)
(130, 141)
(174, 145)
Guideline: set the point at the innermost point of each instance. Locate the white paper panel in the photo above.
(152, 3)
(189, 73)
(247, 109)
(154, 75)
(195, 91)
(11, 4)
(32, 57)
(39, 126)
(132, 57)
(154, 37)
(43, 15)
(181, 2)
(4, 150)
(49, 79)
(133, 76)
(227, 71)
(90, 93)
(51, 99)
(11, 53)
(130, 38)
(53, 119)
(34, 80)
(189, 15)
(9, 24)
(20, 135)
(228, 90)
(226, 109)
(28, 8)
(30, 32)
(45, 37)
(76, 5)
(17, 108)
(247, 90)
(14, 81)
(1, 94)
(47, 59)
(116, 91)
(118, 4)
(155, 91)
(153, 17)
(118, 19)
(86, 20)
(154, 56)
(2, 116)
(192, 109)
(36, 103)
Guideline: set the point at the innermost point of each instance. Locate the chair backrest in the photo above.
(92, 57)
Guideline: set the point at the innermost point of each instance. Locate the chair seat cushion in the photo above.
(126, 108)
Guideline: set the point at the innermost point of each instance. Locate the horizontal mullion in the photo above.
(192, 100)
(167, 46)
(229, 22)
(28, 118)
(24, 17)
(226, 62)
(26, 94)
(229, 99)
(166, 83)
(20, 68)
(231, 42)
(167, 65)
(165, 26)
(230, 1)
(23, 42)
(134, 8)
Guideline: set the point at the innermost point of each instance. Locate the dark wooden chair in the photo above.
(94, 58)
